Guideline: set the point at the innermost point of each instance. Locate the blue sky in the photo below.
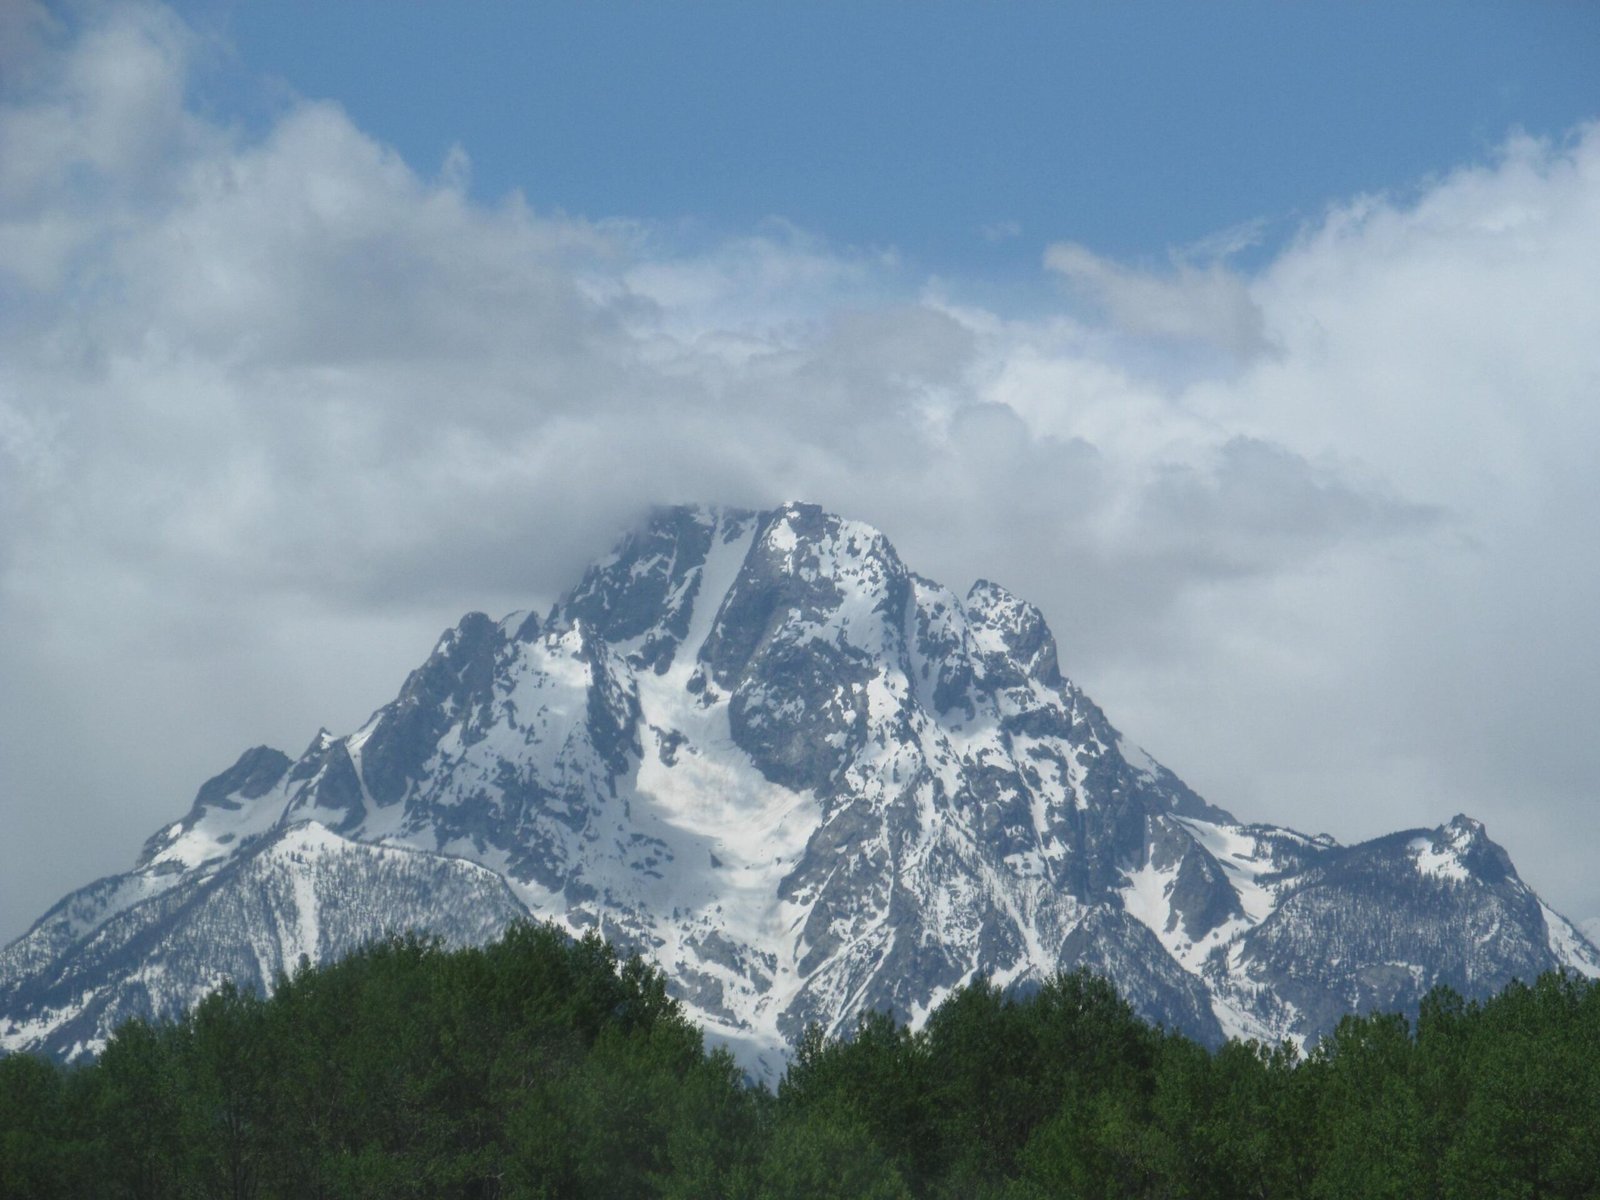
(1134, 129)
(1254, 343)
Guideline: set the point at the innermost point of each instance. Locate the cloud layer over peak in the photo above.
(276, 406)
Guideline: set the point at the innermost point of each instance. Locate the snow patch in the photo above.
(1237, 853)
(1570, 947)
(1437, 863)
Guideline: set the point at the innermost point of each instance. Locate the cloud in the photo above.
(277, 406)
(1226, 243)
(1257, 505)
(1207, 304)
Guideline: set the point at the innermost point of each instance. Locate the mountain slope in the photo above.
(807, 781)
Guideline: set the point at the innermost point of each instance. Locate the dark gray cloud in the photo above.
(275, 409)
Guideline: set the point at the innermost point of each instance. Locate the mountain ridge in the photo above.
(758, 749)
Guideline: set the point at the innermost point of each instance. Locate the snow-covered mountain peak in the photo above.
(758, 748)
(1458, 851)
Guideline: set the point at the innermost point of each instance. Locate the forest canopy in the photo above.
(542, 1066)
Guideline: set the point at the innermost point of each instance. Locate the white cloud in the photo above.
(1208, 304)
(1225, 243)
(1000, 231)
(1436, 346)
(275, 409)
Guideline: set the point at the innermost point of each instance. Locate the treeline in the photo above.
(542, 1067)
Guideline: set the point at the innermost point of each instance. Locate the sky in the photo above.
(1256, 344)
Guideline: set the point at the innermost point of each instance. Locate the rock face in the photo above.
(806, 781)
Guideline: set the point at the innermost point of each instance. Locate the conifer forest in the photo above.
(540, 1066)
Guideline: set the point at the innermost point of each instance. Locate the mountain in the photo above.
(806, 781)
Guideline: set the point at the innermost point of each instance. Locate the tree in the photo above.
(1370, 1120)
(138, 1109)
(825, 1154)
(32, 1123)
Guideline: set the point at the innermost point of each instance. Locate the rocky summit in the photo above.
(759, 750)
